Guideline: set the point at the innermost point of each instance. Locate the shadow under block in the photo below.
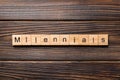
(60, 39)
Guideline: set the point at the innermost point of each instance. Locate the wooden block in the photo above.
(93, 39)
(54, 39)
(44, 39)
(83, 39)
(74, 39)
(64, 39)
(103, 39)
(35, 39)
(26, 39)
(16, 40)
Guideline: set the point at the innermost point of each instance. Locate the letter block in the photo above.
(74, 39)
(83, 39)
(103, 39)
(93, 39)
(54, 39)
(35, 39)
(26, 39)
(44, 39)
(64, 39)
(16, 40)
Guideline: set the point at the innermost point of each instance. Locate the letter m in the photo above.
(17, 39)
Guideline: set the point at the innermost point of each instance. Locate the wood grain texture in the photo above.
(59, 9)
(56, 70)
(7, 52)
(59, 17)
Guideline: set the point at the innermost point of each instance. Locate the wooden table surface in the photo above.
(59, 17)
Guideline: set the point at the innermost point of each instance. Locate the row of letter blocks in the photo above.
(60, 39)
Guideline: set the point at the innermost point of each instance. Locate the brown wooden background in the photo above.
(59, 16)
